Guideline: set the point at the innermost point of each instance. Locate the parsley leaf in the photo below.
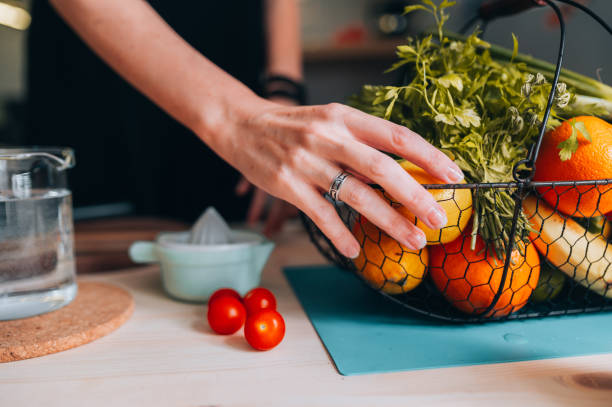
(569, 146)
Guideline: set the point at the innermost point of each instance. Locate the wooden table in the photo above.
(165, 355)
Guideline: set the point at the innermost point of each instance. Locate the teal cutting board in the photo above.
(366, 333)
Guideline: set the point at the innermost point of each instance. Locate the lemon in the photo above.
(457, 203)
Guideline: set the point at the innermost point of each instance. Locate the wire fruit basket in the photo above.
(565, 267)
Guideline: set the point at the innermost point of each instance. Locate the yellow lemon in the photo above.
(457, 203)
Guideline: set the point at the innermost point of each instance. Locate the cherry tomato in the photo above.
(224, 292)
(265, 329)
(259, 299)
(226, 315)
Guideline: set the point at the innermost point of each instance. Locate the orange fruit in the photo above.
(592, 161)
(384, 263)
(457, 203)
(469, 279)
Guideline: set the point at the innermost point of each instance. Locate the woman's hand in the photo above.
(295, 153)
(277, 211)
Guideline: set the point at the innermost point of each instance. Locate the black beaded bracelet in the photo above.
(283, 86)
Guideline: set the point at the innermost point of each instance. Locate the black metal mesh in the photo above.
(565, 267)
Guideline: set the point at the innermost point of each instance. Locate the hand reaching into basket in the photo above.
(294, 153)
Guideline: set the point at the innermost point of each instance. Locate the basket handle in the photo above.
(524, 176)
(492, 9)
(529, 165)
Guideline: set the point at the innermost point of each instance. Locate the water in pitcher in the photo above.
(37, 270)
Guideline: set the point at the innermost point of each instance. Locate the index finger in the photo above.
(387, 136)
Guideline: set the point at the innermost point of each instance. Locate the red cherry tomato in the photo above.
(259, 299)
(226, 315)
(224, 292)
(265, 329)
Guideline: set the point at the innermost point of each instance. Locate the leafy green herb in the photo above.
(482, 113)
(599, 93)
(515, 47)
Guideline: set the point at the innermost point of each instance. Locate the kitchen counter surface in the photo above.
(166, 355)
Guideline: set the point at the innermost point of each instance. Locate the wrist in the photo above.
(279, 100)
(218, 124)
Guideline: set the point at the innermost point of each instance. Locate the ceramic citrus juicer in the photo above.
(194, 264)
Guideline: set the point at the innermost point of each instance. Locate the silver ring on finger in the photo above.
(334, 189)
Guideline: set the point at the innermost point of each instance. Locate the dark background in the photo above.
(343, 46)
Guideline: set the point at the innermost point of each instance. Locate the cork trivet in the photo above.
(97, 310)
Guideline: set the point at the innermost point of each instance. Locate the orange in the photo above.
(457, 203)
(592, 161)
(384, 263)
(469, 279)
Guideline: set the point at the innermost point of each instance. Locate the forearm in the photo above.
(291, 152)
(133, 39)
(283, 38)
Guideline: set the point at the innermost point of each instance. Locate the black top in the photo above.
(126, 148)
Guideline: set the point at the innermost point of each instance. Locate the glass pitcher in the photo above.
(37, 268)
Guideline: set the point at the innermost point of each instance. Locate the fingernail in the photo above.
(454, 174)
(418, 240)
(437, 218)
(414, 240)
(353, 252)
